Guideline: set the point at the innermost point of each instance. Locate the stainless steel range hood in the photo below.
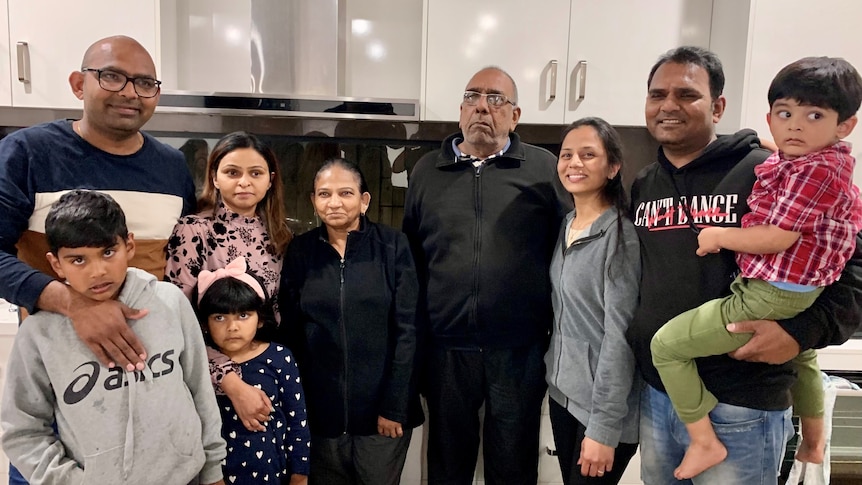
(328, 107)
(278, 58)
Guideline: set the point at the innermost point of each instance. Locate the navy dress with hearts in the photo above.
(271, 456)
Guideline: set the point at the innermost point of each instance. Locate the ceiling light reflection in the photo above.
(360, 27)
(376, 51)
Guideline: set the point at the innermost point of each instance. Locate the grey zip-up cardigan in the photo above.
(590, 366)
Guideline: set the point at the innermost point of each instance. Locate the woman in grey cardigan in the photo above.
(595, 273)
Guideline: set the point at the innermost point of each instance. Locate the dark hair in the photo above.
(699, 57)
(825, 82)
(230, 295)
(85, 219)
(346, 165)
(613, 192)
(271, 207)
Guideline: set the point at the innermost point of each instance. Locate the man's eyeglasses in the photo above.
(495, 100)
(145, 87)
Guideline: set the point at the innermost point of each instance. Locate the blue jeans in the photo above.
(755, 442)
(15, 477)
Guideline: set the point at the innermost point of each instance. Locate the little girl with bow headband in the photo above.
(235, 317)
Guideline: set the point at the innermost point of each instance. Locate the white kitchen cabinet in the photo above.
(523, 38)
(557, 51)
(58, 33)
(383, 49)
(5, 63)
(617, 42)
(756, 38)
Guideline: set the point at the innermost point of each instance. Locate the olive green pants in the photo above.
(701, 332)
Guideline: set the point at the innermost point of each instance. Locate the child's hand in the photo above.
(296, 479)
(220, 482)
(707, 240)
(389, 428)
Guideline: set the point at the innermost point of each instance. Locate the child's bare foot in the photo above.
(813, 445)
(704, 451)
(698, 457)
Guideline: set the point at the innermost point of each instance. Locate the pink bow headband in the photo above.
(235, 269)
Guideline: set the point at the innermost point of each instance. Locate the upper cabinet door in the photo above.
(56, 41)
(529, 40)
(787, 31)
(613, 45)
(5, 60)
(755, 39)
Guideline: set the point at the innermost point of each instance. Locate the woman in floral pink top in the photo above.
(241, 214)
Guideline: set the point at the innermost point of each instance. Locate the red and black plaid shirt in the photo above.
(815, 196)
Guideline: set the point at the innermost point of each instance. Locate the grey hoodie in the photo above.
(590, 366)
(159, 426)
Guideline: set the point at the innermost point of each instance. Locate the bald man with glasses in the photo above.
(482, 214)
(106, 151)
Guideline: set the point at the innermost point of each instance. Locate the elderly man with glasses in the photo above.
(104, 150)
(482, 214)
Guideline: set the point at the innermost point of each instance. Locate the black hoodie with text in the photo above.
(667, 204)
(709, 191)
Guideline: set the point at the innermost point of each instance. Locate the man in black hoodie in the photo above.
(701, 179)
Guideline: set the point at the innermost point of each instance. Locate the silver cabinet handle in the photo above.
(24, 62)
(581, 66)
(553, 75)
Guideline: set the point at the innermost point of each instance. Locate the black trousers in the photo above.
(568, 435)
(511, 385)
(358, 460)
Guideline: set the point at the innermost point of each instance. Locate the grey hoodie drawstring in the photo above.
(129, 447)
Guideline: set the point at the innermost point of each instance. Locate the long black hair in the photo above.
(613, 192)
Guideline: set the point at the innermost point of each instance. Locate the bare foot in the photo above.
(810, 451)
(698, 457)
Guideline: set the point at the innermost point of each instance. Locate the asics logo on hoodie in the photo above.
(159, 364)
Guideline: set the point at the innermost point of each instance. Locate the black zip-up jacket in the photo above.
(483, 239)
(715, 187)
(351, 326)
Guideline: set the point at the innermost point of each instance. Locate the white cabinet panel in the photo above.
(612, 42)
(383, 49)
(57, 41)
(785, 33)
(520, 37)
(5, 58)
(618, 41)
(759, 37)
(207, 45)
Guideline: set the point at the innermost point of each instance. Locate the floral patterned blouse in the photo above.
(210, 241)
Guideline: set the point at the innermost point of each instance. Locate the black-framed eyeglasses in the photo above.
(495, 100)
(109, 80)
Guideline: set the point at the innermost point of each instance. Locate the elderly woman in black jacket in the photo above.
(348, 296)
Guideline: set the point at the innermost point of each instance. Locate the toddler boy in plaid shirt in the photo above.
(805, 213)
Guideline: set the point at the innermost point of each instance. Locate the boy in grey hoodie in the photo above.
(160, 425)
